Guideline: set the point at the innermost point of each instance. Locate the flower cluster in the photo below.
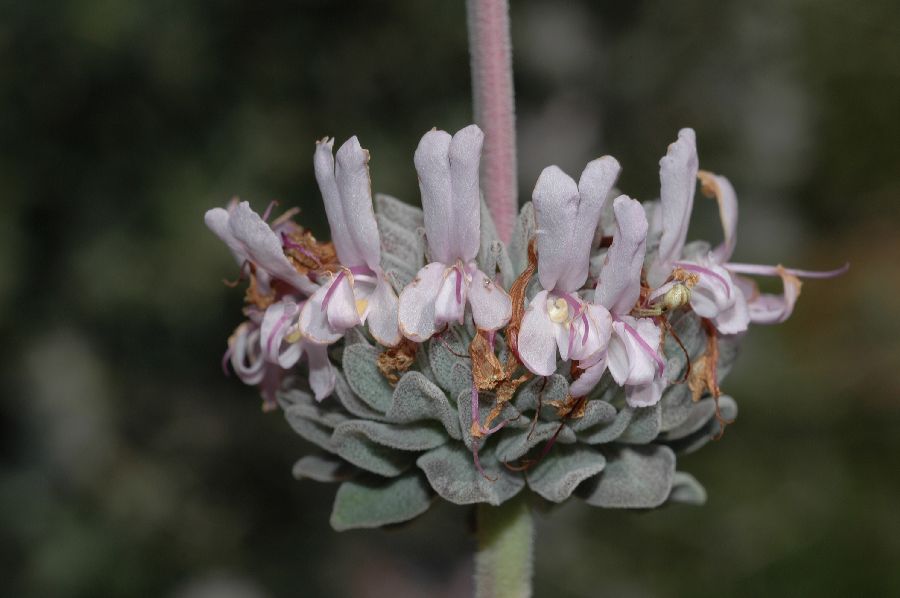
(436, 336)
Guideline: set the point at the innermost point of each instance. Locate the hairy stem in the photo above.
(492, 92)
(504, 561)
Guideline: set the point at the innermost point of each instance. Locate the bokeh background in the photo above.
(132, 467)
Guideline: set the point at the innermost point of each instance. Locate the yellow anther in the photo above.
(293, 335)
(558, 310)
(678, 296)
(361, 306)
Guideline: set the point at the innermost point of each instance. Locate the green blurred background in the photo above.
(131, 467)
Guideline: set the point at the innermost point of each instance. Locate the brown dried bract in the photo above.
(395, 360)
(517, 294)
(570, 407)
(704, 374)
(489, 374)
(307, 254)
(254, 296)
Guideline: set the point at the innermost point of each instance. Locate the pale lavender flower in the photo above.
(715, 295)
(358, 293)
(633, 356)
(253, 241)
(557, 319)
(449, 182)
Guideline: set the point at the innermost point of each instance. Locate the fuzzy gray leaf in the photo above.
(609, 431)
(417, 398)
(563, 469)
(516, 442)
(687, 490)
(595, 412)
(634, 478)
(727, 409)
(401, 244)
(677, 406)
(374, 502)
(448, 357)
(401, 213)
(314, 423)
(523, 232)
(451, 472)
(542, 390)
(509, 414)
(351, 402)
(643, 427)
(698, 415)
(322, 467)
(404, 437)
(355, 446)
(365, 379)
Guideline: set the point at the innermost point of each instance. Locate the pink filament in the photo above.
(707, 272)
(268, 211)
(647, 348)
(285, 317)
(459, 276)
(762, 270)
(287, 242)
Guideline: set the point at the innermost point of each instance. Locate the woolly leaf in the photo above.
(608, 431)
(643, 427)
(399, 212)
(313, 422)
(404, 437)
(365, 379)
(492, 255)
(634, 478)
(401, 244)
(351, 402)
(687, 490)
(523, 232)
(595, 412)
(698, 415)
(544, 390)
(677, 406)
(711, 429)
(485, 403)
(356, 447)
(448, 357)
(417, 398)
(322, 467)
(451, 471)
(516, 442)
(563, 469)
(373, 502)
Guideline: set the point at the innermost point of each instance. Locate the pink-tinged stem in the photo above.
(492, 91)
(775, 271)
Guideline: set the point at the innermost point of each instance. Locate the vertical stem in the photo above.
(492, 92)
(505, 553)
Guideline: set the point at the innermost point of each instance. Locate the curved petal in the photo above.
(645, 395)
(275, 325)
(590, 377)
(767, 308)
(416, 304)
(555, 210)
(263, 247)
(450, 303)
(736, 318)
(630, 361)
(433, 167)
(619, 286)
(594, 186)
(714, 292)
(216, 220)
(321, 372)
(355, 187)
(344, 245)
(678, 178)
(340, 305)
(382, 314)
(313, 321)
(718, 187)
(491, 305)
(465, 160)
(598, 334)
(247, 359)
(537, 338)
